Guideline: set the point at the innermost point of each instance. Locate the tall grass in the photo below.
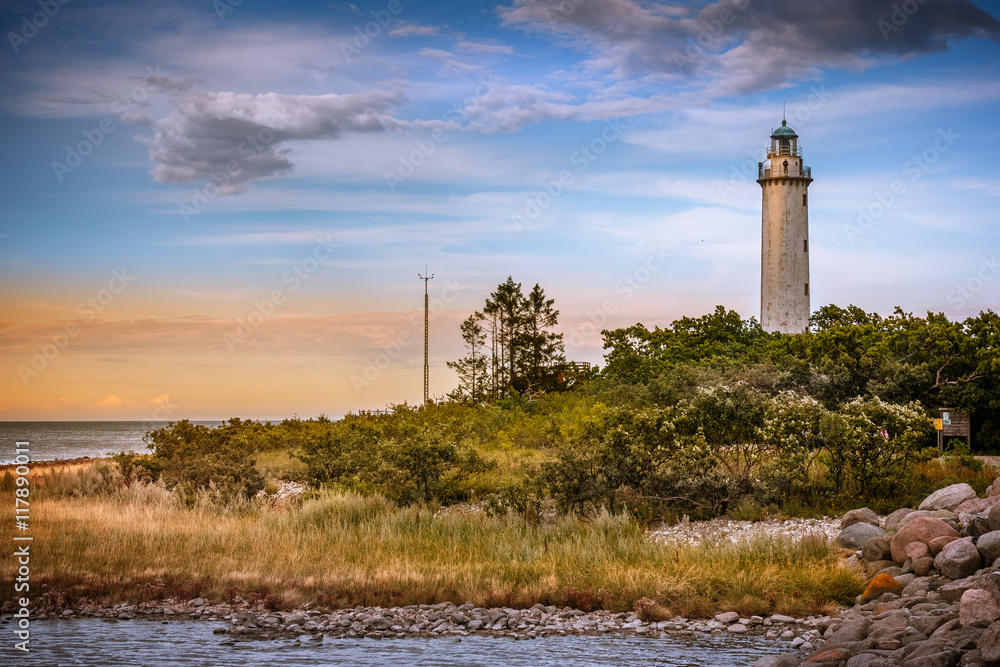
(139, 543)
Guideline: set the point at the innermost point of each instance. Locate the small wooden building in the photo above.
(951, 424)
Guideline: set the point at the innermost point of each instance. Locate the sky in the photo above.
(223, 207)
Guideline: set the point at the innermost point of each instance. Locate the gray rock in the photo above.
(948, 498)
(855, 535)
(993, 517)
(989, 546)
(736, 628)
(862, 515)
(727, 617)
(877, 548)
(959, 559)
(198, 602)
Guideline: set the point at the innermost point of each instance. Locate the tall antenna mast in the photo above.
(427, 367)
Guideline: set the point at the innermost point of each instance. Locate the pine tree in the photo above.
(511, 345)
(472, 370)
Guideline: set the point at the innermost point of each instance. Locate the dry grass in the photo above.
(340, 550)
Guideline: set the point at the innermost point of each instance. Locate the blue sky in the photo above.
(246, 192)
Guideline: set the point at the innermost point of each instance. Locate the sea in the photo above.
(91, 642)
(54, 441)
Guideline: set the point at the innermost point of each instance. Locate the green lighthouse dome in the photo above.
(784, 131)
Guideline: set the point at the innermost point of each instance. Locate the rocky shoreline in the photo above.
(933, 598)
(244, 622)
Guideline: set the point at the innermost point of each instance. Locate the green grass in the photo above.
(139, 543)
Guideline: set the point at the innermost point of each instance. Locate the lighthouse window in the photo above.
(805, 245)
(804, 199)
(786, 167)
(807, 289)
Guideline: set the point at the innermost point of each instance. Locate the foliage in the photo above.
(512, 347)
(846, 354)
(193, 457)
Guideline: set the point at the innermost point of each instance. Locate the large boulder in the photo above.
(959, 559)
(989, 546)
(978, 606)
(944, 515)
(922, 529)
(862, 515)
(856, 534)
(948, 498)
(994, 488)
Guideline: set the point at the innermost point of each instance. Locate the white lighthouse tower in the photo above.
(784, 268)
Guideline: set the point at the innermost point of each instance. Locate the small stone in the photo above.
(736, 628)
(879, 586)
(727, 617)
(915, 550)
(198, 602)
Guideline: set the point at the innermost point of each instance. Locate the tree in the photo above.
(543, 347)
(525, 355)
(472, 370)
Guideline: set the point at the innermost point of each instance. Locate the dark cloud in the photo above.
(746, 43)
(232, 138)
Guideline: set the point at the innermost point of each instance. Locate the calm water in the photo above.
(71, 440)
(96, 643)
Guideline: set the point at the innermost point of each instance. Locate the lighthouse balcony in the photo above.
(782, 148)
(782, 172)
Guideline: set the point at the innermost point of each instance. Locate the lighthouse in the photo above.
(784, 266)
